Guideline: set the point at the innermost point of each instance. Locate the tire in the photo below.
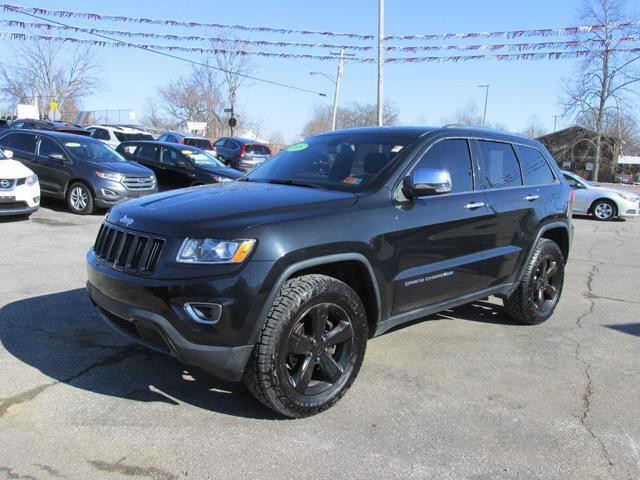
(80, 199)
(311, 347)
(604, 210)
(535, 299)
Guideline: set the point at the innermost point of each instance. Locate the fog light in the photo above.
(108, 193)
(36, 199)
(207, 313)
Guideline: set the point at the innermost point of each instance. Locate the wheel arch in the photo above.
(354, 269)
(79, 180)
(610, 200)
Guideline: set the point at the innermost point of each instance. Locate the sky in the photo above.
(422, 93)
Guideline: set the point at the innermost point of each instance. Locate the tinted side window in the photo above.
(24, 142)
(231, 145)
(535, 169)
(101, 134)
(47, 147)
(452, 156)
(500, 167)
(219, 143)
(147, 152)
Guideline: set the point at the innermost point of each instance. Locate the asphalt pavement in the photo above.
(465, 394)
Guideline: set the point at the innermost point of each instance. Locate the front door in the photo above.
(441, 240)
(55, 171)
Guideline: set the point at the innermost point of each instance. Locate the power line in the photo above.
(165, 54)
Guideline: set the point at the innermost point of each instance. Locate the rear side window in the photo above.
(454, 157)
(500, 167)
(258, 149)
(47, 147)
(535, 169)
(22, 141)
(101, 134)
(201, 143)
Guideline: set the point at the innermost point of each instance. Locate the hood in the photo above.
(125, 168)
(222, 171)
(226, 209)
(603, 189)
(13, 169)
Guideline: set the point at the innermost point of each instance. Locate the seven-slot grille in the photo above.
(139, 183)
(127, 251)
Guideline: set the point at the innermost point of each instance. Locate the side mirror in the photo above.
(58, 157)
(8, 153)
(424, 182)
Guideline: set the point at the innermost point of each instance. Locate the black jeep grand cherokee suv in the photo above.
(281, 277)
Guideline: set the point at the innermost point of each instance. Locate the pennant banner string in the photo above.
(547, 32)
(514, 47)
(454, 59)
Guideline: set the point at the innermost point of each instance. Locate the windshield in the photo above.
(334, 161)
(203, 159)
(201, 143)
(92, 151)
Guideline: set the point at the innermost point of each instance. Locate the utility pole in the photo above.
(486, 101)
(334, 113)
(555, 122)
(380, 59)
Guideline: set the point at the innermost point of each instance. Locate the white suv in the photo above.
(19, 188)
(112, 135)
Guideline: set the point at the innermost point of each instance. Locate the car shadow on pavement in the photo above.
(60, 205)
(630, 328)
(63, 337)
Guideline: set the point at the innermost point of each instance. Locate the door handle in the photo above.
(531, 198)
(474, 205)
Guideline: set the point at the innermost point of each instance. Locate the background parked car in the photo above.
(50, 125)
(178, 166)
(242, 153)
(187, 139)
(19, 187)
(82, 170)
(603, 203)
(4, 124)
(113, 135)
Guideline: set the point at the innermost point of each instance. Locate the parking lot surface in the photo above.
(463, 394)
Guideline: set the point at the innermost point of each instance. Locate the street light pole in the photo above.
(334, 113)
(380, 59)
(486, 101)
(555, 122)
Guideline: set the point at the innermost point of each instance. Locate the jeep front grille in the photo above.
(127, 251)
(138, 184)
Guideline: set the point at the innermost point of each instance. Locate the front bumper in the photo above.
(21, 200)
(152, 311)
(156, 332)
(628, 209)
(110, 193)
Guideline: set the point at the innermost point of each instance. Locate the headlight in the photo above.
(116, 177)
(209, 250)
(32, 180)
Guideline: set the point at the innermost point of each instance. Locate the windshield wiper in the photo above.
(296, 183)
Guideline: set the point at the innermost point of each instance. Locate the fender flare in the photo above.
(314, 262)
(541, 230)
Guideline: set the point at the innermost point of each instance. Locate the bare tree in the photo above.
(154, 116)
(349, 116)
(534, 128)
(195, 98)
(50, 71)
(607, 78)
(467, 115)
(233, 67)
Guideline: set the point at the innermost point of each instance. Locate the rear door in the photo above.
(512, 207)
(441, 240)
(56, 172)
(175, 176)
(147, 155)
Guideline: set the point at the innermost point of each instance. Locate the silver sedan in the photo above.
(603, 203)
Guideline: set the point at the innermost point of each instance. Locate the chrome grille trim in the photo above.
(138, 184)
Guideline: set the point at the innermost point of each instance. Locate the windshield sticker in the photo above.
(187, 152)
(352, 180)
(396, 148)
(297, 147)
(72, 144)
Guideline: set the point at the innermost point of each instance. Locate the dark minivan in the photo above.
(242, 153)
(83, 171)
(178, 166)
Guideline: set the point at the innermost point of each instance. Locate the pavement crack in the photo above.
(31, 394)
(11, 473)
(122, 468)
(588, 388)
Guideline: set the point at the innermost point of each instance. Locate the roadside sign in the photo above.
(53, 105)
(228, 110)
(232, 122)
